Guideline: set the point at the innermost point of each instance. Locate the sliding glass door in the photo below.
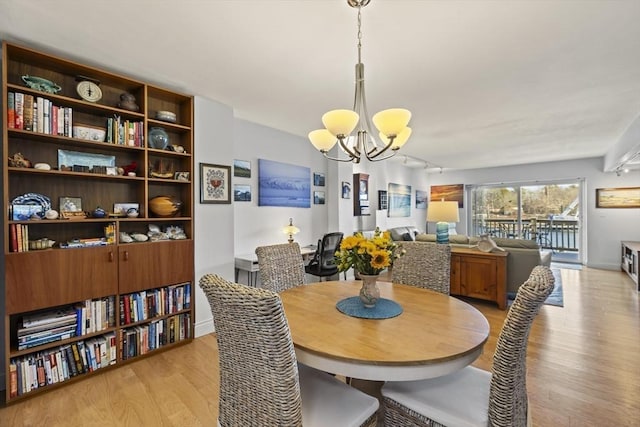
(548, 213)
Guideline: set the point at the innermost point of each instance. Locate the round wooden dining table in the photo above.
(435, 334)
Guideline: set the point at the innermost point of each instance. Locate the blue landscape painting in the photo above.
(399, 200)
(282, 184)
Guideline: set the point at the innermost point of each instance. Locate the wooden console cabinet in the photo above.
(478, 274)
(629, 261)
(98, 297)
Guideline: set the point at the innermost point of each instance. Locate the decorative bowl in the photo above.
(43, 85)
(43, 243)
(91, 133)
(166, 116)
(165, 206)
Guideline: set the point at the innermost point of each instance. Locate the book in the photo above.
(13, 380)
(77, 359)
(19, 107)
(11, 110)
(59, 365)
(48, 317)
(71, 361)
(28, 112)
(39, 117)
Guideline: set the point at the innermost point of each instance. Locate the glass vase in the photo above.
(369, 293)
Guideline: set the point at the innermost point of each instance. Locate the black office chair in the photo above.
(323, 263)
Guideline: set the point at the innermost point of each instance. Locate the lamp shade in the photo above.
(322, 139)
(399, 140)
(290, 229)
(340, 122)
(392, 121)
(443, 212)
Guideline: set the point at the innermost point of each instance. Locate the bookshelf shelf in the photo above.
(37, 125)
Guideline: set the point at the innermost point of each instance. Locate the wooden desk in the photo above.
(479, 274)
(435, 335)
(249, 263)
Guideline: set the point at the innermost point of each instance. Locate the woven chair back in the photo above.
(259, 384)
(508, 392)
(425, 265)
(281, 266)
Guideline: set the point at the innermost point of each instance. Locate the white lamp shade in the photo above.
(290, 229)
(322, 139)
(443, 212)
(340, 122)
(392, 121)
(399, 140)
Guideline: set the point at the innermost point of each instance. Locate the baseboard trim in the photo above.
(605, 266)
(203, 328)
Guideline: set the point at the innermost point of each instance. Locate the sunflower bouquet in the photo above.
(367, 256)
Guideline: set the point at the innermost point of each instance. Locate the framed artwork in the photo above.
(346, 190)
(70, 204)
(448, 193)
(628, 197)
(181, 176)
(318, 179)
(283, 184)
(215, 183)
(382, 200)
(318, 197)
(241, 193)
(399, 199)
(421, 199)
(242, 168)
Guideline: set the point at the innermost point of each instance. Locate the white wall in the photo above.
(605, 228)
(214, 223)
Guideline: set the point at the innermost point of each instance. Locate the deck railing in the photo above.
(554, 234)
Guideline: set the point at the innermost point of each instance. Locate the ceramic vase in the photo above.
(369, 293)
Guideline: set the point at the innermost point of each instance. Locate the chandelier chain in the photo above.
(359, 33)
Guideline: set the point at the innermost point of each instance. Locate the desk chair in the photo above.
(261, 383)
(323, 263)
(281, 266)
(472, 396)
(425, 265)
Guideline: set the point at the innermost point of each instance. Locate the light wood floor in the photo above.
(583, 370)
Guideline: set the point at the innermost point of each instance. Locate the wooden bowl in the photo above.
(164, 206)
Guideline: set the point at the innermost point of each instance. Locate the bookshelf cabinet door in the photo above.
(152, 265)
(40, 279)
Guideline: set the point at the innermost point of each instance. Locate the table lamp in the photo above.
(442, 213)
(290, 230)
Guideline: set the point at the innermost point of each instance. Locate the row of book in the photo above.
(67, 322)
(142, 339)
(140, 306)
(19, 241)
(38, 114)
(33, 371)
(125, 132)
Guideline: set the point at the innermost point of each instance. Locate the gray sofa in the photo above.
(523, 255)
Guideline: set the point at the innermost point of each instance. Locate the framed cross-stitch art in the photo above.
(215, 183)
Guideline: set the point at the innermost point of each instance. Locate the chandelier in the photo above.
(351, 129)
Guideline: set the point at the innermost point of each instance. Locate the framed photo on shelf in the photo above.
(181, 176)
(215, 183)
(628, 197)
(70, 204)
(122, 208)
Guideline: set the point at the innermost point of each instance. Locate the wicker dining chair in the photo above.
(472, 396)
(260, 382)
(426, 265)
(281, 266)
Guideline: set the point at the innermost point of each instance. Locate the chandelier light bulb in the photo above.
(322, 139)
(340, 122)
(392, 121)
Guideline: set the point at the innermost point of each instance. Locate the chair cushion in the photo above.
(407, 237)
(326, 401)
(458, 399)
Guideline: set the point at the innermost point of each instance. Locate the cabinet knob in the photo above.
(110, 256)
(126, 255)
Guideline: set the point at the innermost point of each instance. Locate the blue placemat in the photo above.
(384, 308)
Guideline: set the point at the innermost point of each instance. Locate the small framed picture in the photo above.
(215, 183)
(421, 199)
(241, 193)
(242, 168)
(70, 204)
(318, 197)
(111, 171)
(122, 208)
(346, 190)
(181, 176)
(318, 179)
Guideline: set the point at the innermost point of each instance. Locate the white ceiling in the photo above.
(489, 83)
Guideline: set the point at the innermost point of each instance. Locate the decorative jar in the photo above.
(158, 138)
(165, 206)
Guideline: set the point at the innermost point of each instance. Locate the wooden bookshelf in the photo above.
(99, 264)
(629, 261)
